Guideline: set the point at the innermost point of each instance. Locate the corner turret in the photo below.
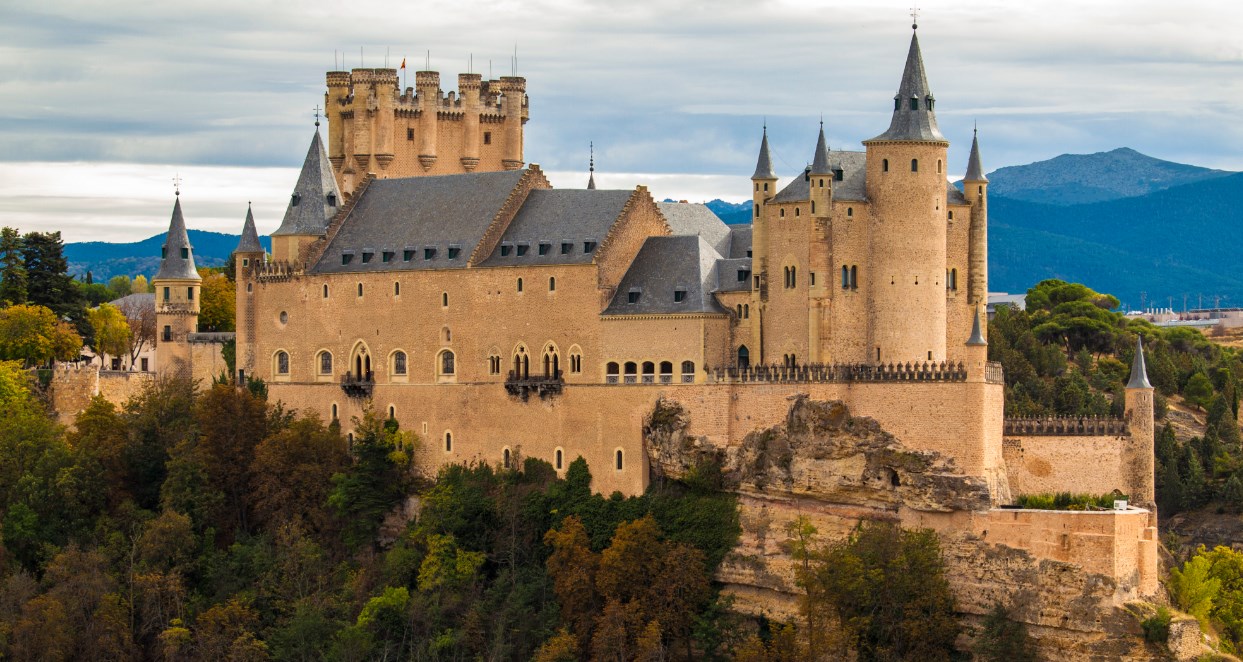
(315, 200)
(820, 177)
(975, 189)
(1141, 444)
(764, 186)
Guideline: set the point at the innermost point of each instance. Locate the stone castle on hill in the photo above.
(424, 270)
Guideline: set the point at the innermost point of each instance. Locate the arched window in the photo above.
(688, 372)
(334, 411)
(494, 362)
(392, 412)
(744, 357)
(576, 359)
(617, 462)
(399, 363)
(506, 458)
(632, 372)
(446, 363)
(884, 165)
(781, 213)
(739, 311)
(444, 299)
(914, 165)
(552, 362)
(649, 372)
(557, 459)
(666, 372)
(850, 212)
(519, 284)
(325, 363)
(522, 363)
(845, 277)
(610, 372)
(938, 166)
(396, 288)
(757, 207)
(552, 283)
(793, 276)
(746, 311)
(446, 335)
(282, 363)
(448, 442)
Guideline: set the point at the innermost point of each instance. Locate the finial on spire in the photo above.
(317, 111)
(177, 184)
(591, 166)
(915, 17)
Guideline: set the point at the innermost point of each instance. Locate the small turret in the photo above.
(1140, 450)
(176, 298)
(975, 172)
(246, 258)
(977, 332)
(975, 189)
(820, 177)
(249, 243)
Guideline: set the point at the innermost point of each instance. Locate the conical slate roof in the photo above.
(177, 262)
(315, 198)
(977, 331)
(764, 166)
(919, 123)
(820, 164)
(975, 172)
(1139, 368)
(250, 237)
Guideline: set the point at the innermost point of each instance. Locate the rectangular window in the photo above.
(409, 134)
(407, 255)
(366, 257)
(168, 332)
(454, 251)
(487, 137)
(679, 296)
(185, 253)
(429, 253)
(813, 279)
(190, 293)
(523, 248)
(566, 248)
(144, 365)
(386, 256)
(166, 293)
(589, 246)
(543, 248)
(346, 257)
(633, 296)
(246, 261)
(743, 274)
(506, 249)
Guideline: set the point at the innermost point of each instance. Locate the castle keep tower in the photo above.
(373, 127)
(907, 233)
(176, 298)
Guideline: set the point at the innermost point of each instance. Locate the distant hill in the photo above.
(105, 260)
(733, 213)
(1072, 179)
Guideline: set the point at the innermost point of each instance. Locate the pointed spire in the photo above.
(920, 122)
(591, 167)
(975, 172)
(1139, 368)
(820, 164)
(764, 166)
(177, 261)
(315, 198)
(977, 331)
(250, 237)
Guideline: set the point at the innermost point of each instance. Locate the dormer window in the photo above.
(566, 247)
(679, 295)
(407, 255)
(522, 249)
(589, 246)
(633, 295)
(294, 199)
(839, 174)
(386, 256)
(544, 247)
(367, 256)
(429, 253)
(185, 253)
(454, 251)
(914, 103)
(930, 101)
(332, 199)
(897, 103)
(346, 258)
(743, 275)
(506, 249)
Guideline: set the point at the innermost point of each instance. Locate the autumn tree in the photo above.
(292, 475)
(140, 285)
(139, 314)
(217, 305)
(34, 335)
(572, 566)
(13, 272)
(111, 330)
(120, 286)
(100, 441)
(231, 422)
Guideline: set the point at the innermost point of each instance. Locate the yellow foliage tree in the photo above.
(32, 334)
(112, 330)
(217, 308)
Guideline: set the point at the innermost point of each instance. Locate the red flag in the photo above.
(403, 63)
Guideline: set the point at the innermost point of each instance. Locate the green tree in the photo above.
(1199, 391)
(13, 272)
(48, 281)
(120, 286)
(365, 492)
(111, 330)
(1194, 589)
(230, 422)
(292, 472)
(1004, 639)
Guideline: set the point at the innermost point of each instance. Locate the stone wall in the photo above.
(74, 384)
(1078, 464)
(118, 387)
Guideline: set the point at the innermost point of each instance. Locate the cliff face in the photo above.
(836, 470)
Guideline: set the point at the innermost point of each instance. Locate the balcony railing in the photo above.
(358, 386)
(542, 386)
(844, 372)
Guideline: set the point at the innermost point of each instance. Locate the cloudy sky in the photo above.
(105, 102)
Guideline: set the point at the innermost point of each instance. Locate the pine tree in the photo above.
(48, 281)
(13, 272)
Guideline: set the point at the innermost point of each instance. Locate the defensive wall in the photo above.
(74, 384)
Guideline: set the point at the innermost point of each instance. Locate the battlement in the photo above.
(1067, 426)
(276, 271)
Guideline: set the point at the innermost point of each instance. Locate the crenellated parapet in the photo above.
(1067, 426)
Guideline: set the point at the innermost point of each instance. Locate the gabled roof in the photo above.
(953, 196)
(415, 214)
(250, 237)
(686, 219)
(920, 123)
(315, 198)
(739, 241)
(177, 262)
(727, 272)
(554, 217)
(663, 266)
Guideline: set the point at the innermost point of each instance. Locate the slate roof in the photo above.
(852, 188)
(1139, 368)
(135, 302)
(554, 217)
(975, 172)
(663, 266)
(250, 237)
(315, 198)
(953, 196)
(173, 266)
(820, 162)
(415, 214)
(727, 275)
(921, 123)
(687, 219)
(764, 165)
(739, 241)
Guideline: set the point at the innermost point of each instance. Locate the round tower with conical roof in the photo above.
(247, 258)
(975, 189)
(1141, 422)
(906, 186)
(176, 299)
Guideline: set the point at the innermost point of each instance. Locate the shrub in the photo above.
(1157, 627)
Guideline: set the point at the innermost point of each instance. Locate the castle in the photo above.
(421, 270)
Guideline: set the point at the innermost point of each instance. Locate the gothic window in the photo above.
(325, 363)
(744, 357)
(446, 363)
(522, 363)
(552, 362)
(399, 363)
(282, 363)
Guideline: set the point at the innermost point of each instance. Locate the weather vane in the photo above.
(317, 114)
(915, 17)
(177, 184)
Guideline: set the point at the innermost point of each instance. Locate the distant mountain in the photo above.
(105, 260)
(1072, 179)
(733, 213)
